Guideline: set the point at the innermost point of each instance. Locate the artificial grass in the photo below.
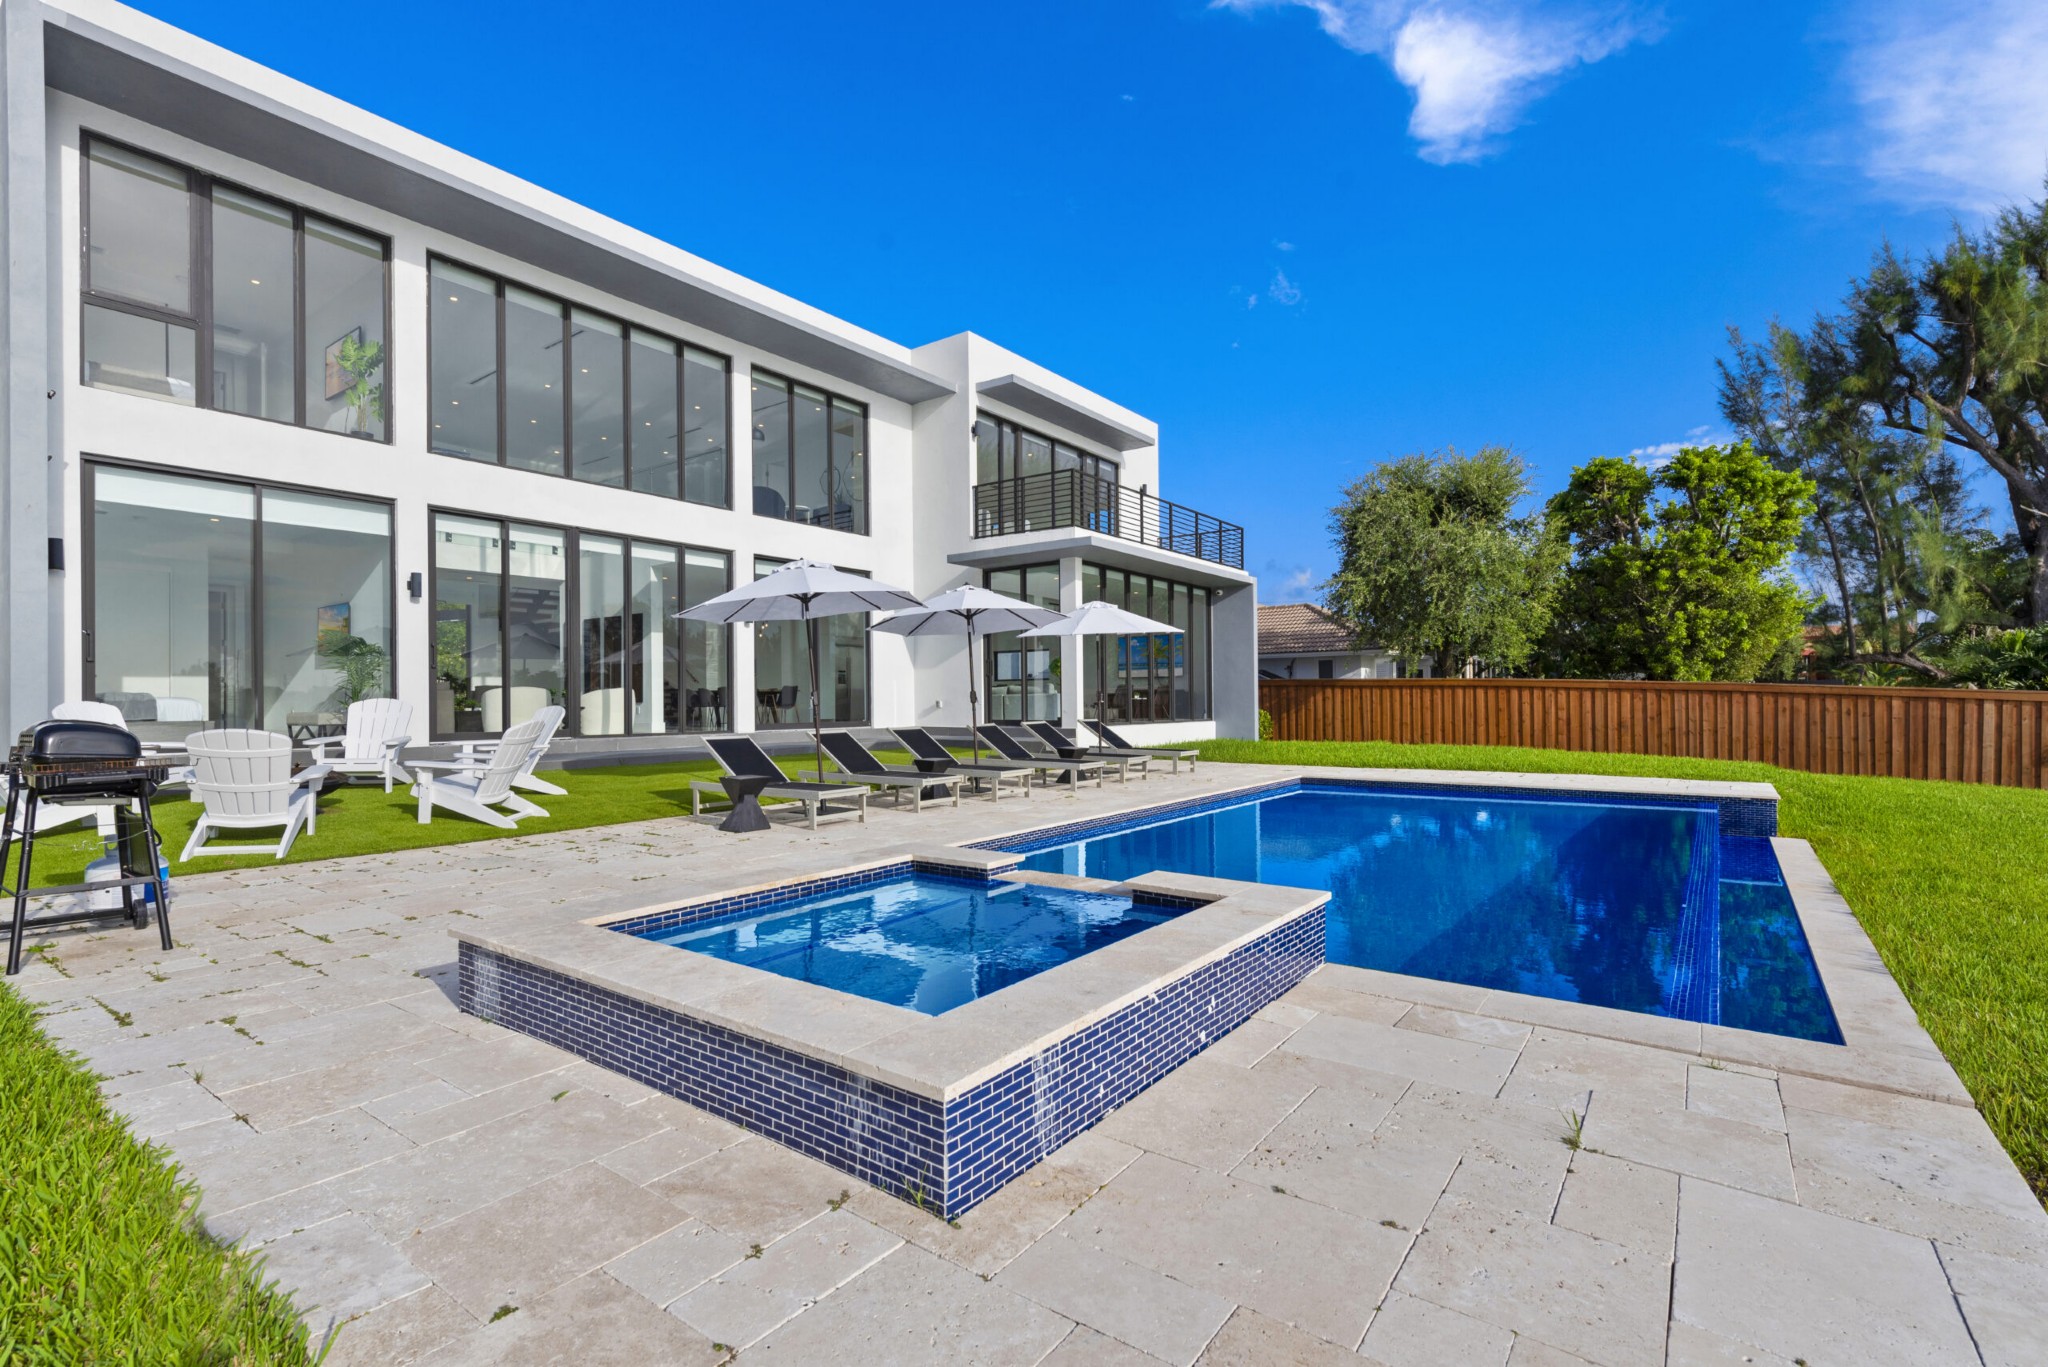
(1950, 880)
(100, 1259)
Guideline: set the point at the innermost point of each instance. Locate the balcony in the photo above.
(1069, 498)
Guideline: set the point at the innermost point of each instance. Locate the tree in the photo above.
(1676, 573)
(1434, 563)
(1951, 351)
(1901, 556)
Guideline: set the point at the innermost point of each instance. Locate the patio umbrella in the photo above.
(966, 611)
(1105, 619)
(802, 591)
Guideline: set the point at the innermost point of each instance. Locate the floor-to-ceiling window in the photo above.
(782, 668)
(499, 591)
(207, 294)
(1147, 678)
(523, 379)
(810, 455)
(1023, 674)
(1025, 480)
(626, 666)
(216, 603)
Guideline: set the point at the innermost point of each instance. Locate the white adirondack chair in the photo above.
(378, 731)
(51, 815)
(244, 780)
(480, 751)
(473, 787)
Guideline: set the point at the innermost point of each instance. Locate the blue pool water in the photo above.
(922, 941)
(1646, 908)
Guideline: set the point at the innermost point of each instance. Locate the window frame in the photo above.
(1201, 599)
(572, 590)
(1094, 468)
(867, 652)
(833, 397)
(500, 282)
(199, 187)
(89, 465)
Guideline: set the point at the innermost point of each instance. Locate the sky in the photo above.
(1304, 236)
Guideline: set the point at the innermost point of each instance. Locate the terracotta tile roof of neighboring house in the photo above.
(1301, 629)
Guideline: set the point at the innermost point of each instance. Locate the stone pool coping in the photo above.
(939, 1057)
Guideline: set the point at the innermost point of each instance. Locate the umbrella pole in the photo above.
(817, 719)
(973, 702)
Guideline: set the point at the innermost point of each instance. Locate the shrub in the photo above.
(1265, 724)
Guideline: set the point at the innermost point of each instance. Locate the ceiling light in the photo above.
(453, 300)
(255, 282)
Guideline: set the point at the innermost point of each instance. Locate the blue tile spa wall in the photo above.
(882, 1135)
(951, 1157)
(1006, 1124)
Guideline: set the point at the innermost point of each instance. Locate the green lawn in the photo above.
(99, 1258)
(361, 819)
(1949, 879)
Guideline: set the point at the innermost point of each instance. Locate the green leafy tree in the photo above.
(1952, 350)
(1899, 551)
(1676, 573)
(1434, 563)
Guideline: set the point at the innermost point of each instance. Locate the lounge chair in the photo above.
(478, 787)
(858, 763)
(1112, 741)
(1074, 770)
(244, 781)
(550, 719)
(743, 757)
(925, 747)
(1051, 735)
(376, 735)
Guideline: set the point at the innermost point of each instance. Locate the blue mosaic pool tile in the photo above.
(1749, 860)
(1692, 991)
(949, 1157)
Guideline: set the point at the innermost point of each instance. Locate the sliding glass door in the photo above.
(216, 604)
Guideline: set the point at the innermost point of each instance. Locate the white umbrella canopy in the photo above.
(802, 591)
(968, 611)
(1098, 618)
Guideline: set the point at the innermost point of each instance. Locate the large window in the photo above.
(810, 459)
(626, 667)
(1147, 678)
(224, 604)
(523, 379)
(1024, 674)
(782, 668)
(1024, 480)
(207, 295)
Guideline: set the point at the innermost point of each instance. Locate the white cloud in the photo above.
(1472, 65)
(1953, 100)
(1282, 291)
(1283, 246)
(1659, 455)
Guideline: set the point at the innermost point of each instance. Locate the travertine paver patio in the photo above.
(1374, 1165)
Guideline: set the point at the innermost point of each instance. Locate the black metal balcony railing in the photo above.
(1071, 498)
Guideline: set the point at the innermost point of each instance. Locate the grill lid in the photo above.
(62, 742)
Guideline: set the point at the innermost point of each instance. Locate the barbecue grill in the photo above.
(81, 762)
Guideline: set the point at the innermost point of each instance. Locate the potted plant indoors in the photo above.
(360, 361)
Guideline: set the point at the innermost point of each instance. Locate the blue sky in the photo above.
(1303, 235)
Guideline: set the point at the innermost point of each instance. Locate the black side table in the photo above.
(934, 766)
(745, 792)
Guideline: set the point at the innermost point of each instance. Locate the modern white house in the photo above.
(301, 407)
(1302, 641)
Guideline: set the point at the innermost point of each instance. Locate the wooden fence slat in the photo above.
(1964, 736)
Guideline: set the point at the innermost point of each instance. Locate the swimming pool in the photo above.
(921, 940)
(1637, 905)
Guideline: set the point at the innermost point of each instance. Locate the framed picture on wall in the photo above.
(332, 623)
(337, 378)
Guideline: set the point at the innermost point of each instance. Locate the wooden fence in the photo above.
(1965, 735)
